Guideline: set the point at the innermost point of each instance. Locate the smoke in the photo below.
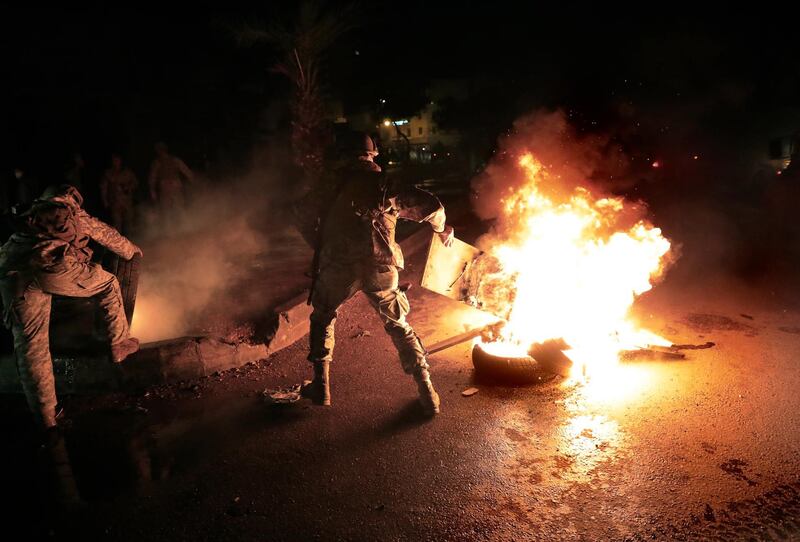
(574, 162)
(727, 223)
(205, 268)
(548, 136)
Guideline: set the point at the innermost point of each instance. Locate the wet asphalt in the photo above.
(699, 449)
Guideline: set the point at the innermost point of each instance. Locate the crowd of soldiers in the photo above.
(349, 217)
(118, 187)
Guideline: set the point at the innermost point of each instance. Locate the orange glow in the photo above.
(577, 263)
(155, 319)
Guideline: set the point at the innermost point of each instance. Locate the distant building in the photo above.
(782, 149)
(419, 136)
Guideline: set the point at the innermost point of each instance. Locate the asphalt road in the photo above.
(700, 449)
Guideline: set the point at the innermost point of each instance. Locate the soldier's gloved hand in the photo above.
(447, 235)
(137, 251)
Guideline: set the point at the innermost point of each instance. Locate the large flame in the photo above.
(577, 263)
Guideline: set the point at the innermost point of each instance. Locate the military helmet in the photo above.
(356, 143)
(62, 192)
(49, 213)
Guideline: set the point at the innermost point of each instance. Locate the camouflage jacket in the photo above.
(55, 236)
(117, 187)
(167, 170)
(353, 215)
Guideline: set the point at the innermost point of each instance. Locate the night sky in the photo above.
(103, 79)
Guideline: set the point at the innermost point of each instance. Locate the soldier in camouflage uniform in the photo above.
(49, 255)
(117, 189)
(167, 176)
(351, 221)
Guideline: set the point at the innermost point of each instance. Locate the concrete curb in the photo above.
(182, 358)
(173, 360)
(292, 322)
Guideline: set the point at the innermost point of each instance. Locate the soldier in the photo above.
(49, 255)
(351, 222)
(167, 175)
(116, 189)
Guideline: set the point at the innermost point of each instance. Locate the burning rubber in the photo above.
(508, 369)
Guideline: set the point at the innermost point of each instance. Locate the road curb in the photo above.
(182, 358)
(162, 362)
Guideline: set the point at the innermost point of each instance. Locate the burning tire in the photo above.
(510, 370)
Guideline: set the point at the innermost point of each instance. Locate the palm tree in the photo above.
(302, 44)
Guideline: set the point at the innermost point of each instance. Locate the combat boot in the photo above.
(124, 349)
(318, 390)
(428, 397)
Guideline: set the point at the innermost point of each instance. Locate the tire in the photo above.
(128, 276)
(508, 370)
(127, 273)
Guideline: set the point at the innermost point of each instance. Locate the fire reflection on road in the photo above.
(590, 435)
(587, 440)
(617, 384)
(578, 437)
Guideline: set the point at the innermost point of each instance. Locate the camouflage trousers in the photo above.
(170, 194)
(121, 215)
(26, 304)
(339, 282)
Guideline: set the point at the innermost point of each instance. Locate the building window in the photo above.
(420, 130)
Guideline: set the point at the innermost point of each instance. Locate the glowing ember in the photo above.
(577, 262)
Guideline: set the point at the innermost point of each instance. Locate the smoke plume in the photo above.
(207, 268)
(573, 161)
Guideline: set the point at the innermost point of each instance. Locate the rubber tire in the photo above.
(127, 273)
(508, 370)
(128, 277)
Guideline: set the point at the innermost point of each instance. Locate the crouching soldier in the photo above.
(350, 220)
(49, 255)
